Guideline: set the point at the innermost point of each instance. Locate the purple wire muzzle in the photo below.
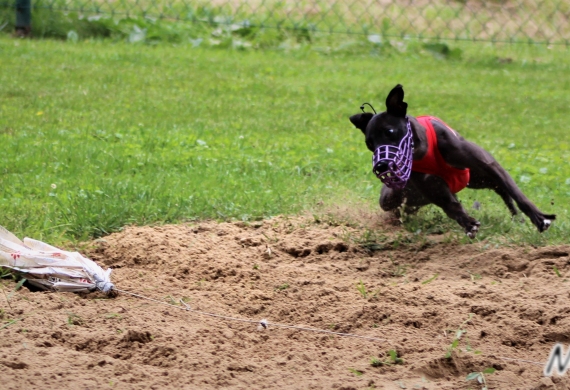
(398, 159)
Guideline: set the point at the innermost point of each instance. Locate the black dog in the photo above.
(461, 163)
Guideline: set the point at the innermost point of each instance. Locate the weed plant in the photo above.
(391, 359)
(480, 377)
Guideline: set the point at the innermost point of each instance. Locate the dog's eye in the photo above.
(390, 131)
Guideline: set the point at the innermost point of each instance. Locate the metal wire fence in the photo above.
(536, 21)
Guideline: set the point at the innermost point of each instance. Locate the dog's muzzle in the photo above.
(398, 161)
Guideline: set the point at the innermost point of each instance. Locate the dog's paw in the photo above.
(472, 230)
(545, 225)
(546, 222)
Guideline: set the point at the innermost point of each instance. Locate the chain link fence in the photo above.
(535, 21)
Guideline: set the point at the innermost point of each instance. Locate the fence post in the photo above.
(23, 18)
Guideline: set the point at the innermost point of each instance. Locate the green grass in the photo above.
(142, 134)
(497, 21)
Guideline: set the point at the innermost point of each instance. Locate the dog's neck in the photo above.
(420, 138)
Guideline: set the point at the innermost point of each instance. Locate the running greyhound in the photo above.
(422, 160)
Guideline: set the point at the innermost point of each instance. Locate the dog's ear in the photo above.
(360, 121)
(395, 104)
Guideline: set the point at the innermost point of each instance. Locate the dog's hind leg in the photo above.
(498, 179)
(435, 190)
(449, 203)
(486, 172)
(507, 199)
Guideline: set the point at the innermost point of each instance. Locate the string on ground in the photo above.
(265, 324)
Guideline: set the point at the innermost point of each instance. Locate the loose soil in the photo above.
(413, 296)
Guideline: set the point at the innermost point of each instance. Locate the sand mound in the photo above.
(417, 296)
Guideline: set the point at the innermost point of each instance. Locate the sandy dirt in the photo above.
(411, 296)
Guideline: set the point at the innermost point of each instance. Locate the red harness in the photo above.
(434, 164)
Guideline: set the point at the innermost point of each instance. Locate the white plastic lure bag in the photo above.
(50, 268)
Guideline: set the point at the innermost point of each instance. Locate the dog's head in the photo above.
(385, 128)
(389, 137)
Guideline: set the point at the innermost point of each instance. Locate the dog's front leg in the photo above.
(391, 199)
